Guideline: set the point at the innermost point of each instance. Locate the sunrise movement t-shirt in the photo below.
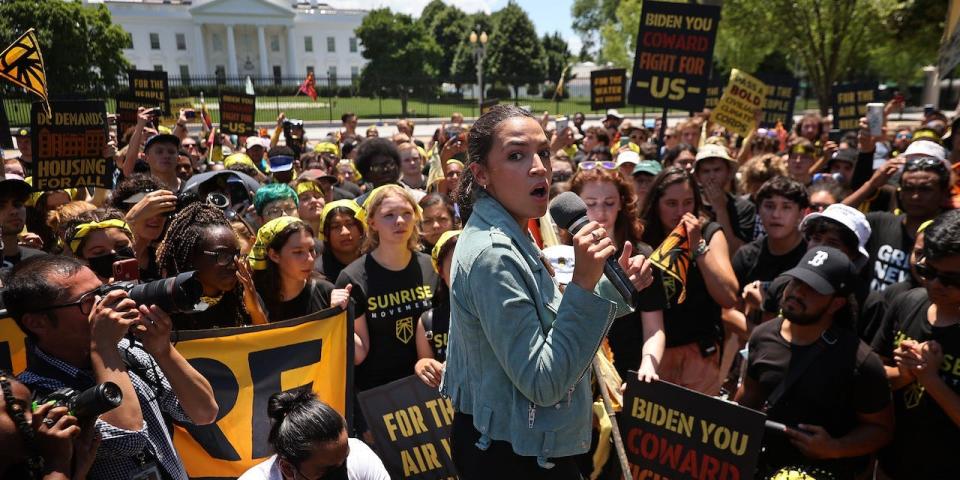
(392, 302)
(925, 438)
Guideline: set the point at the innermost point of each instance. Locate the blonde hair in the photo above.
(372, 239)
(66, 212)
(759, 169)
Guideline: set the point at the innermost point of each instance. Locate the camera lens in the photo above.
(173, 295)
(96, 401)
(218, 200)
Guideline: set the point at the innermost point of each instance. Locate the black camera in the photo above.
(88, 404)
(173, 294)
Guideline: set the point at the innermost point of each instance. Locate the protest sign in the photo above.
(742, 98)
(671, 68)
(6, 141)
(781, 98)
(850, 103)
(126, 113)
(176, 104)
(488, 104)
(150, 88)
(714, 92)
(245, 365)
(410, 423)
(671, 432)
(607, 88)
(238, 113)
(68, 145)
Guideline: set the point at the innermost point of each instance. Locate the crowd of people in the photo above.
(823, 286)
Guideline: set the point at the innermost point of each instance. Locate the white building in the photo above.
(236, 38)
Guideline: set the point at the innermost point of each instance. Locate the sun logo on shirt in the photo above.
(405, 329)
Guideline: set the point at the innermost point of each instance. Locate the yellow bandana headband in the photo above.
(85, 229)
(308, 186)
(349, 204)
(238, 159)
(802, 149)
(327, 147)
(455, 162)
(435, 253)
(266, 234)
(923, 226)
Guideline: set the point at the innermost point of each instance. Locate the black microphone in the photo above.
(570, 213)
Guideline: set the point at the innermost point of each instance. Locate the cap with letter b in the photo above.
(826, 270)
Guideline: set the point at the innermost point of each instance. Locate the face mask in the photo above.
(103, 265)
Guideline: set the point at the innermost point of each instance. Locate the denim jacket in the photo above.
(519, 351)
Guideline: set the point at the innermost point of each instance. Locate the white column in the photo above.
(231, 53)
(201, 50)
(294, 71)
(262, 43)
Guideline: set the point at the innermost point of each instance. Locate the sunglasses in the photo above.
(223, 257)
(930, 274)
(924, 163)
(819, 177)
(591, 164)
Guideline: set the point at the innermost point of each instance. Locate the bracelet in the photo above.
(702, 249)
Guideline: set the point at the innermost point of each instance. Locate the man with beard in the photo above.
(808, 371)
(920, 343)
(13, 214)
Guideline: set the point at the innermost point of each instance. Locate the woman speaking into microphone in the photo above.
(520, 350)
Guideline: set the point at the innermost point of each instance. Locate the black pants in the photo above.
(499, 461)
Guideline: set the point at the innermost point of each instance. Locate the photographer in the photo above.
(44, 443)
(82, 338)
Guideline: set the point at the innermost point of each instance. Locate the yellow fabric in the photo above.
(83, 230)
(266, 234)
(923, 226)
(327, 147)
(602, 453)
(35, 196)
(238, 159)
(454, 160)
(347, 203)
(435, 254)
(356, 173)
(308, 186)
(926, 134)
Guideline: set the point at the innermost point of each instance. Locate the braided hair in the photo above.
(17, 412)
(185, 234)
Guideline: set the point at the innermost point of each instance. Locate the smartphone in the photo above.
(624, 141)
(190, 114)
(562, 123)
(126, 270)
(155, 111)
(835, 135)
(875, 118)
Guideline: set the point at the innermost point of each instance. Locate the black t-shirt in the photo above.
(626, 334)
(754, 261)
(698, 317)
(925, 438)
(314, 297)
(743, 216)
(392, 303)
(844, 379)
(228, 312)
(436, 323)
(328, 265)
(889, 247)
(23, 254)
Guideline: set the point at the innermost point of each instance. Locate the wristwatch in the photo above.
(702, 248)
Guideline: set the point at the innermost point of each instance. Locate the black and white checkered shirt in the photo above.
(121, 451)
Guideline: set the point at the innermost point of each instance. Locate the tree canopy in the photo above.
(515, 55)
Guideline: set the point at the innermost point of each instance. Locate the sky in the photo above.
(548, 15)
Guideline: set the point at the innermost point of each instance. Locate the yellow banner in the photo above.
(245, 365)
(742, 98)
(170, 118)
(22, 64)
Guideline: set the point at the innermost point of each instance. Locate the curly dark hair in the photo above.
(372, 148)
(785, 187)
(130, 186)
(942, 237)
(97, 215)
(185, 234)
(628, 223)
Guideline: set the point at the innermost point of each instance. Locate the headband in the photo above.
(327, 147)
(455, 162)
(349, 204)
(308, 186)
(435, 253)
(801, 149)
(266, 234)
(85, 229)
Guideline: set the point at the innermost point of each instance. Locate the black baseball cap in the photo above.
(826, 269)
(14, 186)
(163, 138)
(848, 155)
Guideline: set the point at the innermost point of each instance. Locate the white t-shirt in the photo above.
(362, 464)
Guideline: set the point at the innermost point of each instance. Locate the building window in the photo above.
(154, 41)
(331, 44)
(130, 41)
(221, 73)
(308, 44)
(185, 75)
(332, 75)
(217, 42)
(309, 69)
(274, 43)
(181, 41)
(277, 75)
(354, 73)
(353, 44)
(158, 68)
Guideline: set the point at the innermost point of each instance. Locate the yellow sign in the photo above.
(170, 118)
(13, 352)
(742, 98)
(22, 64)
